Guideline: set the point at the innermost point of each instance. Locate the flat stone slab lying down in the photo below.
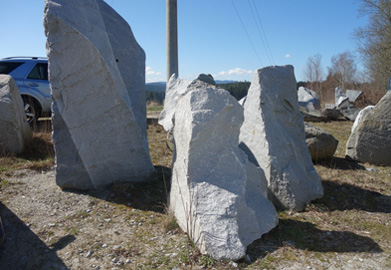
(218, 197)
(97, 75)
(273, 136)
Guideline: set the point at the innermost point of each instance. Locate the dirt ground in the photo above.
(127, 227)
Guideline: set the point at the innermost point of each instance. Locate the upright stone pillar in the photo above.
(97, 76)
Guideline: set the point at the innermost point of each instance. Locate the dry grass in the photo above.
(38, 154)
(352, 220)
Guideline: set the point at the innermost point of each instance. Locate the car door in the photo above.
(38, 85)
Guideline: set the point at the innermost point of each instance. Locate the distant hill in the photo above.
(224, 82)
(155, 87)
(156, 91)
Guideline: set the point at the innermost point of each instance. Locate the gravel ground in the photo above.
(47, 228)
(127, 227)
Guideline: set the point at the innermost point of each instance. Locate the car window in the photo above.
(8, 67)
(39, 72)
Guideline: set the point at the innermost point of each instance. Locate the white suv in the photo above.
(31, 76)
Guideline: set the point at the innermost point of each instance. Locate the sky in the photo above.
(229, 39)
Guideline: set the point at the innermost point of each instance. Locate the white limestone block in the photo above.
(218, 197)
(97, 76)
(273, 137)
(15, 131)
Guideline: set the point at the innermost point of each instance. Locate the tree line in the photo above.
(374, 47)
(236, 89)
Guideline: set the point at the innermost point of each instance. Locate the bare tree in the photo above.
(314, 72)
(375, 40)
(343, 69)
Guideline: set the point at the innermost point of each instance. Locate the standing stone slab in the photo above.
(273, 136)
(175, 88)
(370, 141)
(218, 197)
(15, 131)
(97, 76)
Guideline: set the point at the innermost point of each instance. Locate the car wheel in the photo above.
(31, 111)
(2, 234)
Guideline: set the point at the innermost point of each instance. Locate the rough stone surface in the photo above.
(218, 197)
(15, 132)
(342, 102)
(175, 88)
(308, 99)
(338, 94)
(371, 141)
(353, 95)
(321, 144)
(361, 115)
(97, 75)
(350, 113)
(273, 135)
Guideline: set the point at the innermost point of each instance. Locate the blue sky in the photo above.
(211, 35)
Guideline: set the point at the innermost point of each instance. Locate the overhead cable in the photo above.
(261, 31)
(245, 30)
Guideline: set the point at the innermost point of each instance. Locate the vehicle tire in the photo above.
(2, 234)
(31, 110)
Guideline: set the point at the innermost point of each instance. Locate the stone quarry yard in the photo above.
(127, 225)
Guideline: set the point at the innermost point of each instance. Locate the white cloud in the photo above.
(235, 71)
(153, 76)
(288, 55)
(150, 71)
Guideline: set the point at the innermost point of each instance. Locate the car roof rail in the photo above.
(24, 57)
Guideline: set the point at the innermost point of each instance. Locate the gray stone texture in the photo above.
(361, 116)
(321, 144)
(273, 136)
(308, 99)
(218, 197)
(97, 76)
(15, 131)
(371, 140)
(175, 88)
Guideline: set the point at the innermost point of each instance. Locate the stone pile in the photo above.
(370, 140)
(308, 99)
(97, 76)
(344, 102)
(15, 131)
(273, 137)
(218, 197)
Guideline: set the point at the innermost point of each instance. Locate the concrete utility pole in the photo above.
(172, 38)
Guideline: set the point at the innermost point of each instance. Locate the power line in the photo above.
(245, 30)
(259, 25)
(263, 31)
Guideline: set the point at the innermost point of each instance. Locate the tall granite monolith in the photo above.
(15, 131)
(273, 136)
(97, 76)
(218, 197)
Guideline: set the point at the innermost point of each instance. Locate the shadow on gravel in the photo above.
(22, 249)
(340, 164)
(147, 196)
(305, 236)
(347, 197)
